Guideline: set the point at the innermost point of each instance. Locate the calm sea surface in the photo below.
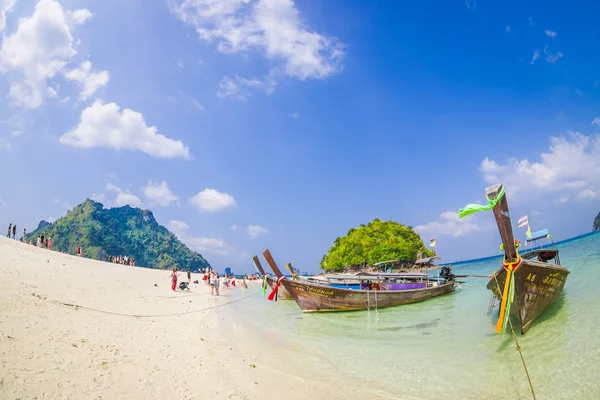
(447, 347)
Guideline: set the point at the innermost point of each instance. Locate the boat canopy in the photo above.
(373, 276)
(538, 235)
(427, 260)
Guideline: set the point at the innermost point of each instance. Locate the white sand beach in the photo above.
(49, 350)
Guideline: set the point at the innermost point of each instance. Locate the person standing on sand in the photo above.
(79, 251)
(217, 283)
(24, 235)
(49, 243)
(189, 273)
(174, 279)
(9, 229)
(39, 242)
(42, 238)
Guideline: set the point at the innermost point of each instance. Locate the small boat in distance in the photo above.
(282, 293)
(534, 284)
(376, 290)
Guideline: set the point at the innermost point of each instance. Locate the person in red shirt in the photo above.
(174, 275)
(79, 251)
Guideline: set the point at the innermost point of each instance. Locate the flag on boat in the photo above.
(523, 221)
(432, 242)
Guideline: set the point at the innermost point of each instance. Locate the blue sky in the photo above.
(251, 124)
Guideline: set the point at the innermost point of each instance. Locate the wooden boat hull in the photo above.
(282, 292)
(312, 297)
(537, 286)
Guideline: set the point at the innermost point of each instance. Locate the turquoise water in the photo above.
(447, 347)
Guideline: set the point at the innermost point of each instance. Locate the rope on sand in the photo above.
(77, 306)
(514, 335)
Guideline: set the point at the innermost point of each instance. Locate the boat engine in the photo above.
(447, 274)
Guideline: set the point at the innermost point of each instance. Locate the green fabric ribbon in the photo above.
(264, 286)
(473, 208)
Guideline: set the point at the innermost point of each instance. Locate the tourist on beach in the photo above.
(174, 275)
(15, 232)
(9, 229)
(42, 239)
(79, 251)
(216, 286)
(49, 243)
(24, 239)
(39, 242)
(189, 273)
(211, 282)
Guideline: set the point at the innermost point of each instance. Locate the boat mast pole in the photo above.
(272, 264)
(502, 215)
(259, 266)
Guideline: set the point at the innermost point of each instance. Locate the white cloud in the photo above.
(568, 170)
(450, 225)
(99, 197)
(536, 55)
(16, 133)
(550, 33)
(105, 125)
(294, 115)
(271, 27)
(552, 58)
(159, 193)
(179, 228)
(239, 87)
(212, 200)
(39, 49)
(507, 28)
(195, 103)
(51, 220)
(255, 231)
(596, 121)
(200, 244)
(5, 7)
(123, 197)
(78, 17)
(179, 63)
(587, 194)
(89, 81)
(233, 228)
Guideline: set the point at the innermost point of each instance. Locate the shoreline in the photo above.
(132, 339)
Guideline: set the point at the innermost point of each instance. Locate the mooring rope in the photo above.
(514, 335)
(76, 306)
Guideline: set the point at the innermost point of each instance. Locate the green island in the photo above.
(596, 224)
(102, 232)
(375, 242)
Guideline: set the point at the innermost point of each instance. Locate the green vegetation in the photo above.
(597, 223)
(377, 241)
(118, 231)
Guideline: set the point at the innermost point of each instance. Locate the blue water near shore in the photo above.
(447, 347)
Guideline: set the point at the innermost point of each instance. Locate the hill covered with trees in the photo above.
(118, 231)
(375, 242)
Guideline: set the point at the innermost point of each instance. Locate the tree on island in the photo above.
(375, 242)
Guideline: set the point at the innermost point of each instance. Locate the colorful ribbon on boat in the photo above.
(264, 285)
(473, 208)
(508, 293)
(273, 294)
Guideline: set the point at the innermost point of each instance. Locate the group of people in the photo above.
(123, 260)
(213, 279)
(12, 232)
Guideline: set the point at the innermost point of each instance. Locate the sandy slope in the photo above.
(52, 351)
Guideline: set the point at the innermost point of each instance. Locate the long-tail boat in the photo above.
(315, 297)
(534, 284)
(282, 293)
